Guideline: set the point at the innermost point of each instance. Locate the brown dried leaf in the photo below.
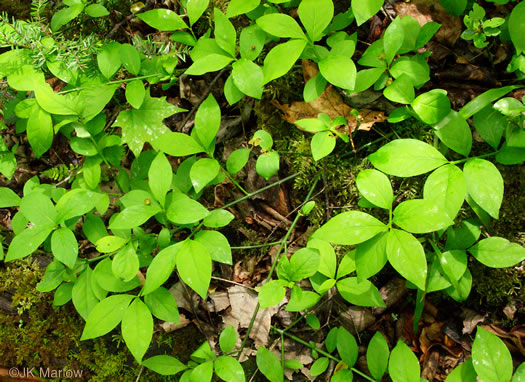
(425, 11)
(331, 103)
(243, 303)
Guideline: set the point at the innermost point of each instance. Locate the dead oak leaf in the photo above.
(329, 102)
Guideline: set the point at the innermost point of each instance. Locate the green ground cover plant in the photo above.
(425, 240)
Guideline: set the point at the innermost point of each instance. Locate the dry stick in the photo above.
(201, 100)
(276, 260)
(320, 351)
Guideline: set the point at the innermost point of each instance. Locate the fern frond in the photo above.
(59, 173)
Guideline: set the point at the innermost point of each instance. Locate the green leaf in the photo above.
(194, 265)
(224, 32)
(509, 107)
(281, 58)
(393, 41)
(303, 264)
(491, 357)
(463, 236)
(269, 365)
(280, 25)
(365, 9)
(39, 131)
(343, 375)
(315, 16)
(210, 63)
(484, 185)
(485, 99)
(108, 59)
(377, 355)
(349, 228)
(272, 293)
(510, 155)
(301, 300)
(517, 27)
(314, 88)
(162, 305)
(27, 242)
(370, 256)
(267, 164)
(8, 198)
(464, 372)
(135, 93)
(401, 90)
(145, 125)
(83, 294)
(218, 218)
(106, 279)
(134, 216)
(96, 10)
(25, 78)
(65, 15)
(164, 364)
(519, 375)
(63, 294)
(179, 144)
(130, 58)
(323, 143)
(454, 132)
(39, 209)
(54, 103)
(432, 106)
(162, 19)
(184, 210)
(347, 347)
(447, 188)
(362, 293)
(426, 32)
(414, 67)
(216, 244)
(77, 202)
(251, 40)
(161, 268)
(160, 176)
(106, 315)
(108, 244)
(339, 71)
(328, 259)
(203, 172)
(263, 139)
(207, 121)
(347, 265)
(375, 187)
(319, 366)
(403, 365)
(228, 339)
(454, 264)
(195, 9)
(232, 92)
(454, 7)
(64, 246)
(461, 293)
(497, 252)
(407, 157)
(229, 369)
(421, 216)
(248, 77)
(237, 160)
(406, 255)
(239, 7)
(125, 264)
(137, 328)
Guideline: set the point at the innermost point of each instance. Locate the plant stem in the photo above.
(274, 265)
(478, 156)
(257, 245)
(251, 194)
(235, 183)
(320, 351)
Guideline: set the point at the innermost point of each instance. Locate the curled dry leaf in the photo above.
(331, 103)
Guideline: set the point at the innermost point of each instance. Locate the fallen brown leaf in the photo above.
(425, 11)
(331, 103)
